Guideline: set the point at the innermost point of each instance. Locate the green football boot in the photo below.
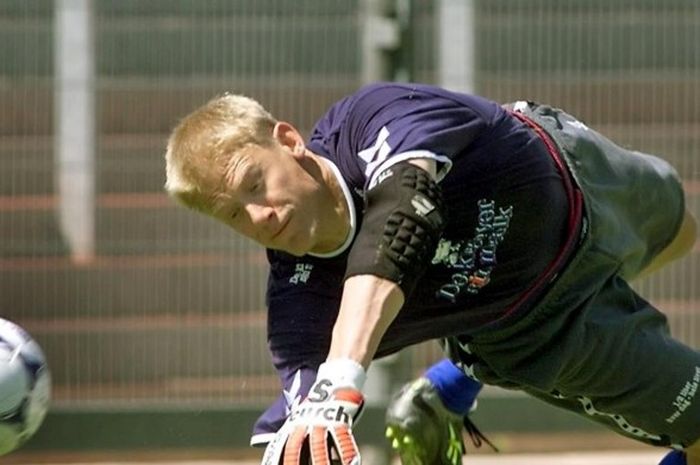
(421, 429)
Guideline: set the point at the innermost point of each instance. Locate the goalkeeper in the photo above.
(413, 213)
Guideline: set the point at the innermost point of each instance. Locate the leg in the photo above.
(681, 245)
(693, 453)
(621, 368)
(630, 375)
(611, 360)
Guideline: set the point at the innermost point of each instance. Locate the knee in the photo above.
(685, 239)
(692, 454)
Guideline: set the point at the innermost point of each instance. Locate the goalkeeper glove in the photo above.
(323, 421)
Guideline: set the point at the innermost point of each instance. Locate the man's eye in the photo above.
(235, 213)
(255, 186)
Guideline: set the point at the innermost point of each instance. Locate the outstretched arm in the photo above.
(401, 226)
(369, 305)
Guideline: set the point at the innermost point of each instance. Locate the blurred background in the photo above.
(152, 317)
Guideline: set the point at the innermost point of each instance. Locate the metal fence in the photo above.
(165, 306)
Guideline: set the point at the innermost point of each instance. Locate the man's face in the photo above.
(270, 198)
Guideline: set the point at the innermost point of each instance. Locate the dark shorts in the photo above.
(591, 344)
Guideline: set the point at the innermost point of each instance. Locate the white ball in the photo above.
(25, 386)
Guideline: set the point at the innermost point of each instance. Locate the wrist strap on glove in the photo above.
(342, 372)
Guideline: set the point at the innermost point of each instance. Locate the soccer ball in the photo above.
(25, 386)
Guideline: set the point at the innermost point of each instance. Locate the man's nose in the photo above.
(259, 214)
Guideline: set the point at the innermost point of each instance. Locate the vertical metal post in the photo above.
(380, 37)
(74, 99)
(405, 55)
(456, 45)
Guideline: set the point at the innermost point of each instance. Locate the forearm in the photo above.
(369, 303)
(368, 307)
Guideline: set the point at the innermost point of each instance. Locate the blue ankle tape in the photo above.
(675, 457)
(456, 390)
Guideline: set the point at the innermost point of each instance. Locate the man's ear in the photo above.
(288, 136)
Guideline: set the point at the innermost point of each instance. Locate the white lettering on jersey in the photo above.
(473, 260)
(377, 153)
(383, 176)
(302, 272)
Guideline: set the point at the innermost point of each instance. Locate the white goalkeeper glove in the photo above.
(324, 419)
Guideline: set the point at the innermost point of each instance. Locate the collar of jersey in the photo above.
(351, 209)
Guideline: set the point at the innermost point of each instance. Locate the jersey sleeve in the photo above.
(295, 387)
(386, 123)
(325, 137)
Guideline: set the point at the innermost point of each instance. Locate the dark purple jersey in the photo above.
(506, 211)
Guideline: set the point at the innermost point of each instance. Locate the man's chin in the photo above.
(296, 252)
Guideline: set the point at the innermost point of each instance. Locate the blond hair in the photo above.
(204, 144)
